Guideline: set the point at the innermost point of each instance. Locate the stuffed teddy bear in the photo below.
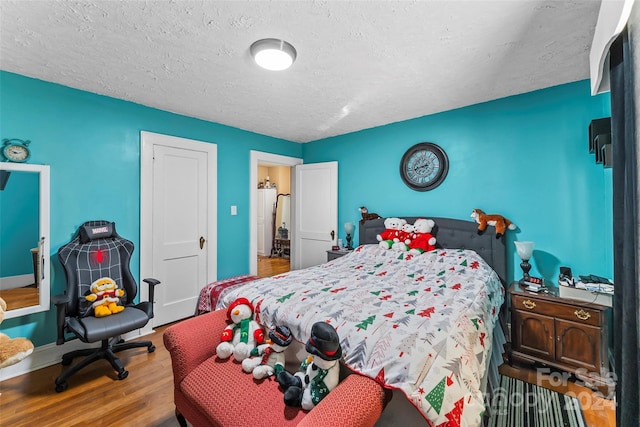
(319, 372)
(13, 350)
(242, 334)
(269, 359)
(498, 221)
(422, 241)
(405, 236)
(392, 231)
(105, 297)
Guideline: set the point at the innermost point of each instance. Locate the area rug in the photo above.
(519, 404)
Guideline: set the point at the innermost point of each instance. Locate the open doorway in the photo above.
(270, 251)
(274, 219)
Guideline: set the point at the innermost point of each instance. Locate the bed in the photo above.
(423, 324)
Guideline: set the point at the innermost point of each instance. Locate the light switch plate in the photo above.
(234, 210)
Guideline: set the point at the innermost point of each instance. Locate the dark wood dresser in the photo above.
(563, 333)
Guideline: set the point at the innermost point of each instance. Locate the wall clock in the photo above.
(424, 166)
(16, 150)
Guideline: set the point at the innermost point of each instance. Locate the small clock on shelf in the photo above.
(424, 166)
(16, 150)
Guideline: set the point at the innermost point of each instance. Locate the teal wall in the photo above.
(92, 144)
(19, 220)
(525, 157)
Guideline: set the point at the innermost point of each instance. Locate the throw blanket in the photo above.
(419, 323)
(210, 294)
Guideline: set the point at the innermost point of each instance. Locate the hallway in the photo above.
(272, 266)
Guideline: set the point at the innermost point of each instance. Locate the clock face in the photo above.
(424, 166)
(15, 152)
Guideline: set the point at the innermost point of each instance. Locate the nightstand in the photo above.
(331, 255)
(563, 333)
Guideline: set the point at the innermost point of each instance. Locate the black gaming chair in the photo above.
(96, 252)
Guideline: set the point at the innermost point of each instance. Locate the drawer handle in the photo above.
(529, 304)
(581, 314)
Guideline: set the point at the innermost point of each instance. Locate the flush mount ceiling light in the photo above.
(273, 54)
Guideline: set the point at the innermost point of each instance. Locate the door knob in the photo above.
(201, 242)
(333, 234)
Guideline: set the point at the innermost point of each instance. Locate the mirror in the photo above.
(24, 238)
(281, 225)
(283, 207)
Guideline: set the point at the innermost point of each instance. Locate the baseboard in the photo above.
(13, 282)
(42, 356)
(51, 354)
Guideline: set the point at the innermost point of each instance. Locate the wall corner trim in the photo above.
(612, 18)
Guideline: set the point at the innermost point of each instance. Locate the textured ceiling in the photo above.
(360, 63)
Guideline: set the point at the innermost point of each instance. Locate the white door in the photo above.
(315, 223)
(183, 221)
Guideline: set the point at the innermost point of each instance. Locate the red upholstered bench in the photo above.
(212, 392)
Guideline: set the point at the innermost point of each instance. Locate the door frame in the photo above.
(259, 157)
(146, 205)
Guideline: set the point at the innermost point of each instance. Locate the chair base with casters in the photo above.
(95, 256)
(107, 351)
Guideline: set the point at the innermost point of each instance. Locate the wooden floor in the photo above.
(268, 267)
(95, 397)
(20, 297)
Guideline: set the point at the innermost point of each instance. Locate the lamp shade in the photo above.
(524, 249)
(348, 227)
(273, 54)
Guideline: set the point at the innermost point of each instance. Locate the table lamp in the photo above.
(525, 251)
(348, 228)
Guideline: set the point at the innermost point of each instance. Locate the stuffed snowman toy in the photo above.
(319, 373)
(243, 334)
(268, 359)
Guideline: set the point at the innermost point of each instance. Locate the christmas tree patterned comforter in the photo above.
(419, 323)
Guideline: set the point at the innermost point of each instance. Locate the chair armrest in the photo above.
(193, 341)
(357, 401)
(60, 301)
(151, 281)
(152, 288)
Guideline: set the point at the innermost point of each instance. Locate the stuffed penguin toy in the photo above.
(319, 372)
(269, 359)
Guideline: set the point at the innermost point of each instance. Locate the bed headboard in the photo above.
(452, 233)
